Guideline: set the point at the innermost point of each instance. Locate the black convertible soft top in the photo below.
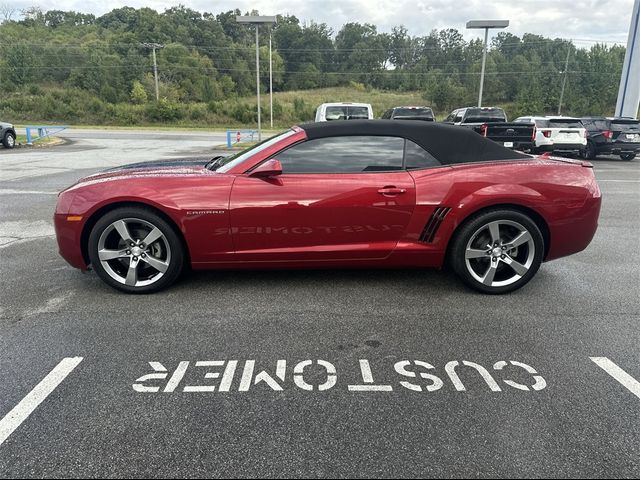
(449, 144)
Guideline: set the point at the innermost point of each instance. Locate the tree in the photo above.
(138, 93)
(7, 10)
(20, 64)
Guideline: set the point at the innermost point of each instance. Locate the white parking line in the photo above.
(619, 181)
(13, 191)
(35, 397)
(620, 375)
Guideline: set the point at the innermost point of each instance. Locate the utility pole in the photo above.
(564, 79)
(153, 47)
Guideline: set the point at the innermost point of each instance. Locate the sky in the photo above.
(584, 20)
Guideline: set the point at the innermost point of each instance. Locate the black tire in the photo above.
(589, 153)
(9, 140)
(628, 156)
(167, 251)
(475, 234)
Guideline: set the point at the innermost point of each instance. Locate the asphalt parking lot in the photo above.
(315, 373)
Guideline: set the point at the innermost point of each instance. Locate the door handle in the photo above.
(391, 190)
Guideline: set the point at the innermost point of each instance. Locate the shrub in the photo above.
(244, 113)
(34, 89)
(164, 111)
(138, 93)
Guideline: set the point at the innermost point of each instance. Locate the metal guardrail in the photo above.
(43, 131)
(238, 136)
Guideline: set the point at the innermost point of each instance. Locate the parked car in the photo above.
(335, 194)
(7, 135)
(612, 135)
(557, 134)
(409, 113)
(343, 111)
(491, 122)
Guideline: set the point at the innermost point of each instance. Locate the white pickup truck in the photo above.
(557, 134)
(343, 111)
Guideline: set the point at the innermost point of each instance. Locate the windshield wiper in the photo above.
(215, 163)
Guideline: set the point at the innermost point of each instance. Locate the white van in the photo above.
(344, 111)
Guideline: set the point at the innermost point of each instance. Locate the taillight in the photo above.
(584, 134)
(546, 133)
(533, 135)
(483, 129)
(608, 134)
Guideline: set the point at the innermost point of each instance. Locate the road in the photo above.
(339, 333)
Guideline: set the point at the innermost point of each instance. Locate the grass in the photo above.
(47, 141)
(380, 100)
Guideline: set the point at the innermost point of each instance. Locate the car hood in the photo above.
(165, 168)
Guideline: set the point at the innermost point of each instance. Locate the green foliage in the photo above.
(164, 111)
(68, 66)
(244, 113)
(138, 93)
(302, 111)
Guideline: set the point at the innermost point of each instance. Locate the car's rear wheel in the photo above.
(497, 251)
(589, 152)
(135, 250)
(628, 156)
(9, 140)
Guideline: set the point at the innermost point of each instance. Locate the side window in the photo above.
(458, 117)
(354, 154)
(417, 157)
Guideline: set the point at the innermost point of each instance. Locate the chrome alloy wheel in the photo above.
(134, 252)
(500, 253)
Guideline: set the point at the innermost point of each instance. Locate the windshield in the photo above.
(413, 112)
(228, 163)
(488, 115)
(565, 123)
(344, 112)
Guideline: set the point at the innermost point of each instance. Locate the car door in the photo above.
(337, 198)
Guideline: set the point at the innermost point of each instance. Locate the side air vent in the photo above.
(431, 228)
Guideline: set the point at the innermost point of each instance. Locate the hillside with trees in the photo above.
(77, 68)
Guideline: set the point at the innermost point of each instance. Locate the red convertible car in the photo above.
(337, 194)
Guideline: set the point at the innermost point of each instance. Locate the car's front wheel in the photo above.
(9, 140)
(628, 156)
(497, 251)
(135, 250)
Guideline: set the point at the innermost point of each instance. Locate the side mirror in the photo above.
(270, 168)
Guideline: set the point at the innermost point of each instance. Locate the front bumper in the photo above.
(69, 236)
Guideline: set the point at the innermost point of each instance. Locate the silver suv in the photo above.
(8, 135)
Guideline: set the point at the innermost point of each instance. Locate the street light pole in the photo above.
(258, 81)
(486, 25)
(257, 21)
(484, 62)
(270, 81)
